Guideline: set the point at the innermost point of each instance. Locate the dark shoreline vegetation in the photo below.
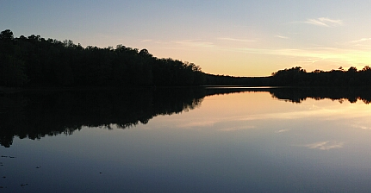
(36, 114)
(36, 62)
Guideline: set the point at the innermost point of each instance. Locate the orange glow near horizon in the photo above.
(253, 62)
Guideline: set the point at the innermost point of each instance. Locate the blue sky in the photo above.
(240, 38)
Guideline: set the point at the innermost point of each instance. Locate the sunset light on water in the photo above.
(185, 96)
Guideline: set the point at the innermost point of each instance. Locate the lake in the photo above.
(235, 139)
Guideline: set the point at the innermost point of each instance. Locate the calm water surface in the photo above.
(210, 141)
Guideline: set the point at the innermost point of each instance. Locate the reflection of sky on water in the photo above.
(246, 142)
(325, 145)
(315, 136)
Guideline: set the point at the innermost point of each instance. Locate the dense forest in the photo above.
(34, 61)
(297, 76)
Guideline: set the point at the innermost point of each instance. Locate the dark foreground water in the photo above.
(186, 140)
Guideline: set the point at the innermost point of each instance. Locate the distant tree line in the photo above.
(297, 76)
(35, 61)
(211, 79)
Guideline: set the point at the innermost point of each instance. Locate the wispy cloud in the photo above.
(237, 128)
(361, 40)
(351, 57)
(361, 127)
(147, 40)
(237, 40)
(195, 43)
(204, 123)
(325, 22)
(282, 130)
(282, 37)
(154, 41)
(325, 145)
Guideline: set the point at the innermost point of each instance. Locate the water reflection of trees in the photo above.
(36, 114)
(297, 95)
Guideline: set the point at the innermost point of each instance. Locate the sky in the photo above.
(235, 37)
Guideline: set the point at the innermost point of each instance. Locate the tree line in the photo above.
(36, 61)
(298, 76)
(212, 79)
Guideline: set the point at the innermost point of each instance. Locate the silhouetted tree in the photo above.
(12, 71)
